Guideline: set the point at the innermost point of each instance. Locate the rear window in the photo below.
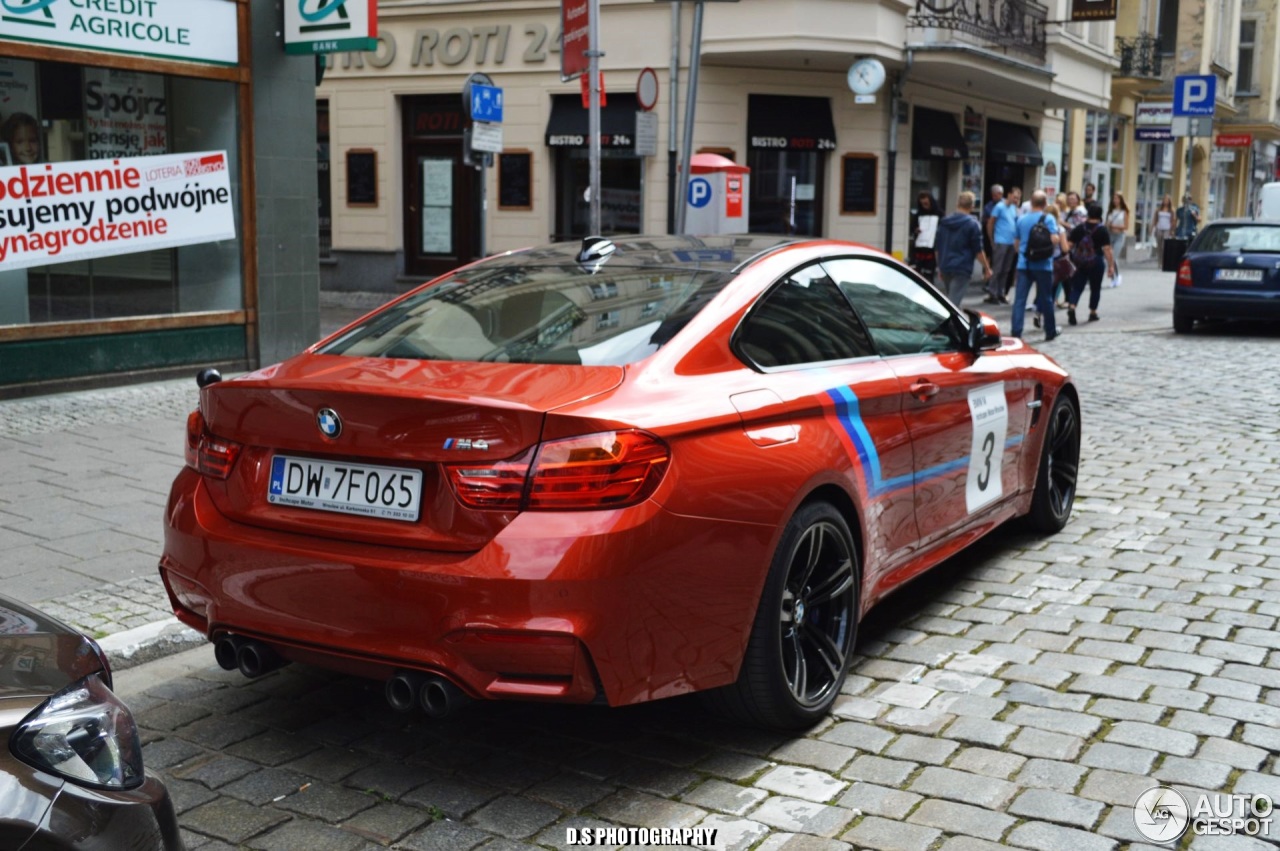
(537, 314)
(1241, 237)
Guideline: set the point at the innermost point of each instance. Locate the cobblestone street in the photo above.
(1024, 694)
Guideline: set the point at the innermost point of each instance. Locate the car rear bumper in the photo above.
(1226, 304)
(637, 602)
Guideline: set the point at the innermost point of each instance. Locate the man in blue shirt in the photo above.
(1002, 228)
(1039, 272)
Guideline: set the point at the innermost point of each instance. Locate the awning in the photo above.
(785, 123)
(936, 134)
(568, 125)
(1012, 143)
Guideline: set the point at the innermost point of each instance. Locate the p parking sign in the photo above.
(1194, 94)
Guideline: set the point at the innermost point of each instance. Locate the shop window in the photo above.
(621, 182)
(56, 112)
(1246, 73)
(785, 188)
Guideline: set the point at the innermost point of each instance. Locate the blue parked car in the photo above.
(1231, 271)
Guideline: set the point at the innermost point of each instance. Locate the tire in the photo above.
(1059, 468)
(1182, 324)
(804, 629)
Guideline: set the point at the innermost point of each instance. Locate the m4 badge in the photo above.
(465, 443)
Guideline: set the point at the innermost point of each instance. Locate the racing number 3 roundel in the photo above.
(990, 413)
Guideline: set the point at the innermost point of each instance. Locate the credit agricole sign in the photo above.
(189, 30)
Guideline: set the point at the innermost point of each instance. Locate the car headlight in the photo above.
(85, 734)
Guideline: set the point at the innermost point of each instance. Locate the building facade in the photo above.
(102, 83)
(1129, 147)
(965, 104)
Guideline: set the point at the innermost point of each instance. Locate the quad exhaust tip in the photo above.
(436, 696)
(253, 658)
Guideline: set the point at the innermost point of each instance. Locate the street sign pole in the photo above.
(593, 121)
(691, 100)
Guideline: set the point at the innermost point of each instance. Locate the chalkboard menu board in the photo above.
(515, 180)
(362, 178)
(858, 184)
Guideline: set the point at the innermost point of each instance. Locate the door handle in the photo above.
(924, 390)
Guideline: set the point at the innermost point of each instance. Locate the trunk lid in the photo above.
(1233, 270)
(398, 415)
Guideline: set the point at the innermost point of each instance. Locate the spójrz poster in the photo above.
(98, 208)
(125, 114)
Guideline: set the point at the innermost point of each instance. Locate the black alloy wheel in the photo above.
(804, 629)
(1059, 468)
(817, 614)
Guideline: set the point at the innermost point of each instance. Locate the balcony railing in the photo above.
(1000, 25)
(1139, 56)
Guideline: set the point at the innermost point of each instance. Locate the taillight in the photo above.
(611, 469)
(498, 487)
(1184, 274)
(206, 453)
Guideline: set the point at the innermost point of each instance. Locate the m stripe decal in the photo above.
(848, 415)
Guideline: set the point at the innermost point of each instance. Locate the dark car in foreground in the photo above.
(71, 774)
(1231, 271)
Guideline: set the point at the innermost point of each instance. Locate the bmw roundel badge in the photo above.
(329, 422)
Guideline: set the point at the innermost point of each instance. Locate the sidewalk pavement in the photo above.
(88, 473)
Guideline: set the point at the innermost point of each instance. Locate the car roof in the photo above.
(725, 253)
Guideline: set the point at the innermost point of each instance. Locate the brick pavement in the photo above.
(1022, 695)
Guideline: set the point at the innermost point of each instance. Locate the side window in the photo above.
(903, 316)
(803, 319)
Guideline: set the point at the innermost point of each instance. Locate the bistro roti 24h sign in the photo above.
(95, 208)
(190, 30)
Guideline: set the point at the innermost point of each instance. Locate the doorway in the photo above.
(441, 222)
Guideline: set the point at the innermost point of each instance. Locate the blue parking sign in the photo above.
(1194, 94)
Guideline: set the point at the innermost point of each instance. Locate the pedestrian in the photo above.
(1117, 224)
(1089, 246)
(997, 195)
(1061, 203)
(1077, 212)
(1187, 218)
(924, 230)
(1164, 224)
(959, 245)
(1002, 228)
(1089, 191)
(1037, 234)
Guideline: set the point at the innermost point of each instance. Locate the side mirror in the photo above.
(984, 333)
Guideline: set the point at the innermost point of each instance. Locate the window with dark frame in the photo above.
(1245, 76)
(1168, 26)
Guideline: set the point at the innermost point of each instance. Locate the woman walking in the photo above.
(924, 230)
(1164, 224)
(1117, 227)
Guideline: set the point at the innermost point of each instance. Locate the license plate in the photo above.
(391, 493)
(1238, 275)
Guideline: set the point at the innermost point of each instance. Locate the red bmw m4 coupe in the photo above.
(613, 472)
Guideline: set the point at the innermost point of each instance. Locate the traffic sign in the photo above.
(1194, 94)
(486, 103)
(486, 137)
(647, 89)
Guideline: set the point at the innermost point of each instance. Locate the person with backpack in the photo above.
(1037, 237)
(1090, 251)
